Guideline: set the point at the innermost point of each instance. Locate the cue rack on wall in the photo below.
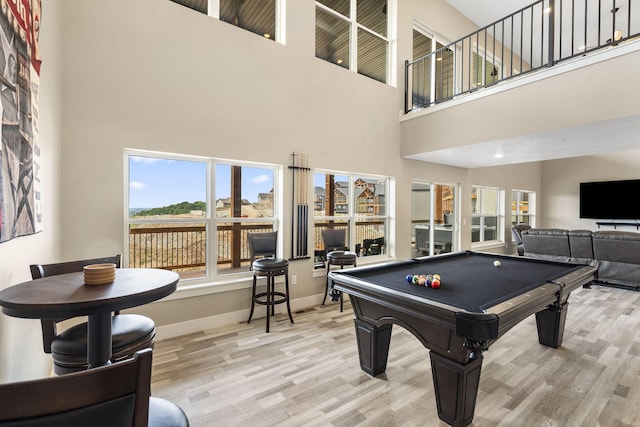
(299, 206)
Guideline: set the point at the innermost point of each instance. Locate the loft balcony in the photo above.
(558, 73)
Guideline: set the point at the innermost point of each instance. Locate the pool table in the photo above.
(475, 305)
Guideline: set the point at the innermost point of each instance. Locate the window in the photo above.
(485, 69)
(356, 203)
(432, 81)
(262, 17)
(523, 207)
(486, 215)
(192, 215)
(356, 34)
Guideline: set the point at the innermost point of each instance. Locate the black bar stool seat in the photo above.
(270, 268)
(340, 258)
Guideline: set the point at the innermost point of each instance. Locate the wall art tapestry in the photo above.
(20, 196)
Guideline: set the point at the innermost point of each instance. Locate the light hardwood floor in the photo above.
(308, 373)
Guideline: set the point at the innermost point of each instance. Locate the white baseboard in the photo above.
(225, 319)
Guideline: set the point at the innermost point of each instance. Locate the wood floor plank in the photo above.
(308, 373)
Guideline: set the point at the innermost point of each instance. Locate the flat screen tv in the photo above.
(610, 199)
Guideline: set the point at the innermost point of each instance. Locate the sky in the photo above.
(157, 182)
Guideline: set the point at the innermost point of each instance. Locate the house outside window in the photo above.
(192, 215)
(487, 217)
(356, 203)
(358, 35)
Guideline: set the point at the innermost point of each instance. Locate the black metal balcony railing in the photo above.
(183, 248)
(537, 36)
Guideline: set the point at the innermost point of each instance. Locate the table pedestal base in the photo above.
(99, 339)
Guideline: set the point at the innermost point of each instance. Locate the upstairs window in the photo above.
(262, 17)
(257, 16)
(432, 76)
(357, 35)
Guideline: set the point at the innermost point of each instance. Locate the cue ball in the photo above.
(497, 263)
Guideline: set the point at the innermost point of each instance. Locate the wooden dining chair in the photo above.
(108, 396)
(130, 332)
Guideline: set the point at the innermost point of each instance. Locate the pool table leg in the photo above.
(550, 323)
(456, 388)
(373, 346)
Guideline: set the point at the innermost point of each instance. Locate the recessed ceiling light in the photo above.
(339, 61)
(267, 35)
(498, 155)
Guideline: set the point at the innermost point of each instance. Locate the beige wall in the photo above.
(561, 185)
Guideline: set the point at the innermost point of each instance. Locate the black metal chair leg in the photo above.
(253, 299)
(286, 286)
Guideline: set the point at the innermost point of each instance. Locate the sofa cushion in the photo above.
(619, 246)
(581, 246)
(618, 255)
(547, 243)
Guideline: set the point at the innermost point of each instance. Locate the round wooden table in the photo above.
(65, 295)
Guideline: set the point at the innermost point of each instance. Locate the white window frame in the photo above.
(210, 219)
(482, 214)
(390, 39)
(531, 205)
(213, 8)
(352, 217)
(435, 40)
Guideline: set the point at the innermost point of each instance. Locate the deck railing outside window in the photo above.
(537, 36)
(183, 248)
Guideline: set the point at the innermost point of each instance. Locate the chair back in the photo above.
(516, 231)
(38, 271)
(262, 245)
(112, 395)
(334, 240)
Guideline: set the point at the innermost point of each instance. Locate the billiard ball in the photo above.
(422, 280)
(409, 278)
(497, 263)
(435, 283)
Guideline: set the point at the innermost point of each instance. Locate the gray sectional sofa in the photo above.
(616, 253)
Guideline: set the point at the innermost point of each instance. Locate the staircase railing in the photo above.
(534, 37)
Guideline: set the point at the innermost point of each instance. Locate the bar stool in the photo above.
(337, 254)
(269, 266)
